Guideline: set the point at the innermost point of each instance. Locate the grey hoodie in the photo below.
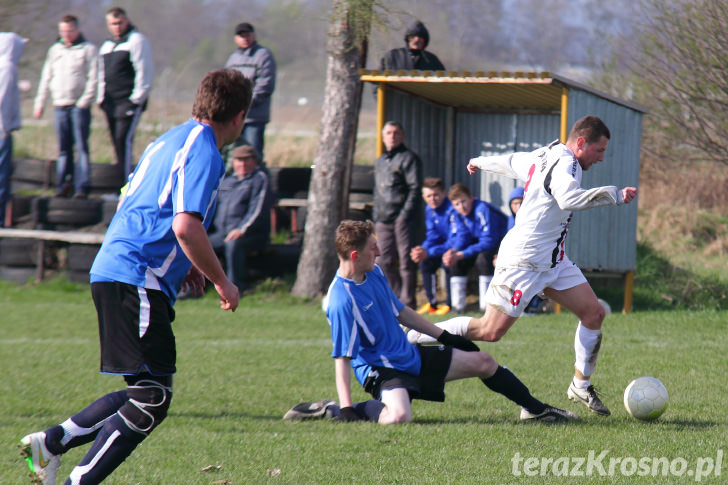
(11, 48)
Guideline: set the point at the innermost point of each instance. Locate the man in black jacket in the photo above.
(126, 70)
(414, 55)
(397, 185)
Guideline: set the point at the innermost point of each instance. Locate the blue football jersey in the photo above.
(364, 325)
(178, 172)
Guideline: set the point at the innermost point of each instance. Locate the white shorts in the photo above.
(513, 288)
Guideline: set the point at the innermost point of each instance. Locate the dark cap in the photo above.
(243, 27)
(244, 151)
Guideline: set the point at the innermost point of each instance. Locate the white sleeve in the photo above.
(513, 165)
(569, 195)
(45, 80)
(140, 53)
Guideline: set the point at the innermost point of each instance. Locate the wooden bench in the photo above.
(75, 237)
(296, 203)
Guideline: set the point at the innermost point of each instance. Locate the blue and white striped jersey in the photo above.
(179, 172)
(364, 325)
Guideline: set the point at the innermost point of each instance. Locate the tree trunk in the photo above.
(329, 189)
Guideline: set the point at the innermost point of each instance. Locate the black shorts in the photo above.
(428, 386)
(135, 329)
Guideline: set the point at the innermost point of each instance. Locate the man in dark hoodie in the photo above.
(126, 70)
(414, 55)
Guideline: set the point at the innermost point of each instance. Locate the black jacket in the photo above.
(407, 59)
(397, 185)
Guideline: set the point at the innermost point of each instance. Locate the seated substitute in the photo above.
(242, 220)
(479, 229)
(364, 315)
(439, 224)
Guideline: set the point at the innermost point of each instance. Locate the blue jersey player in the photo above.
(365, 315)
(156, 242)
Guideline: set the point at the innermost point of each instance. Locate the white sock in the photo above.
(458, 289)
(586, 348)
(581, 384)
(456, 326)
(483, 283)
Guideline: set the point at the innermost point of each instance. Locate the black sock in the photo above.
(506, 383)
(370, 409)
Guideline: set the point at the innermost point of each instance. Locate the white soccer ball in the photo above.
(645, 398)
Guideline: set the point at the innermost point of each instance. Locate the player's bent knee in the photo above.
(147, 405)
(595, 319)
(394, 416)
(487, 365)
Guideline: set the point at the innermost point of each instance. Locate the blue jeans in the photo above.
(6, 169)
(254, 133)
(72, 128)
(234, 254)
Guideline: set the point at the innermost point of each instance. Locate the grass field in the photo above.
(238, 374)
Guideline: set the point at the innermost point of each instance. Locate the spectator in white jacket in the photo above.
(70, 75)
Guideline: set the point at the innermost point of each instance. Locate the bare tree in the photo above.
(681, 73)
(328, 194)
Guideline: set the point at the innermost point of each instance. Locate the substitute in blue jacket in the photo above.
(156, 242)
(480, 227)
(439, 225)
(242, 219)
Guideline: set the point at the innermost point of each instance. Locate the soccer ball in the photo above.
(645, 398)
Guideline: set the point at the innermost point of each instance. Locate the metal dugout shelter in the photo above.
(450, 117)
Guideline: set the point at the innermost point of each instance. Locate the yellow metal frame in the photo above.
(381, 105)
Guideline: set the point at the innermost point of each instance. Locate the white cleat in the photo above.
(42, 463)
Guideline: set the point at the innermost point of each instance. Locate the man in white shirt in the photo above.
(70, 75)
(532, 257)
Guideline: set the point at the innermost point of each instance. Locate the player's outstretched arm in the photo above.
(472, 168)
(628, 194)
(193, 240)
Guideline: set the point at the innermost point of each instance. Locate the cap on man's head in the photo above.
(243, 28)
(244, 151)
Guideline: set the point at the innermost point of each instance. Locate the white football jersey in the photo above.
(552, 178)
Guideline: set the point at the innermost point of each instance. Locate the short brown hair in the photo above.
(69, 19)
(433, 183)
(117, 12)
(591, 127)
(222, 94)
(459, 190)
(352, 236)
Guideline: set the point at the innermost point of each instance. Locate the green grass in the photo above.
(239, 372)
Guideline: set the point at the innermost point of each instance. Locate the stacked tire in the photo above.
(19, 258)
(79, 259)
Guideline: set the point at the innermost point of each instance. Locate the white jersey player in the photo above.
(532, 257)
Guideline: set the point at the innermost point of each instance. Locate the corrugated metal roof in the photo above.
(465, 90)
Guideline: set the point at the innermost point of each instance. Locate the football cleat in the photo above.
(426, 308)
(310, 410)
(550, 415)
(42, 463)
(442, 310)
(589, 397)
